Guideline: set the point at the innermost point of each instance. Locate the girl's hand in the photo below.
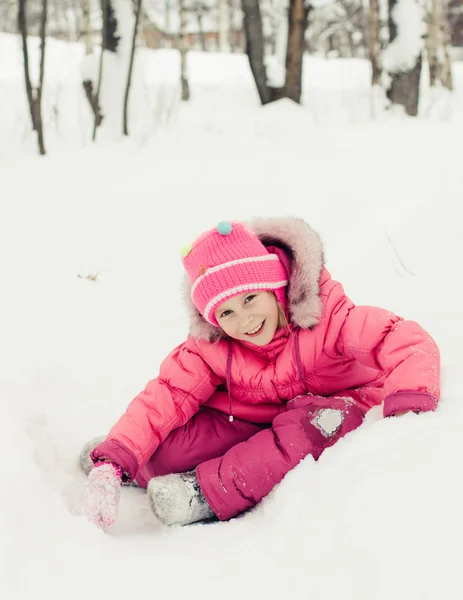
(102, 493)
(400, 413)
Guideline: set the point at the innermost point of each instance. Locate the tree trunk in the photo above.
(446, 71)
(85, 6)
(297, 24)
(202, 37)
(96, 98)
(43, 38)
(110, 39)
(22, 25)
(34, 97)
(404, 89)
(167, 25)
(129, 77)
(224, 26)
(432, 43)
(87, 26)
(373, 42)
(234, 35)
(404, 81)
(183, 47)
(437, 45)
(252, 22)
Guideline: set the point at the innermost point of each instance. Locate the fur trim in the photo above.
(304, 249)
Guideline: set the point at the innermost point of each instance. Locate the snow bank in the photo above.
(379, 515)
(224, 98)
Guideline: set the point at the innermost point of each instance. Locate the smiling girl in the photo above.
(279, 365)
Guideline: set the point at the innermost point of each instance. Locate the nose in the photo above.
(245, 323)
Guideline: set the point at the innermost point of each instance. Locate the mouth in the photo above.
(256, 331)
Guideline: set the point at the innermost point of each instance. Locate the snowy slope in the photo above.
(379, 516)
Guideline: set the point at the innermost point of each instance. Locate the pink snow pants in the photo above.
(239, 463)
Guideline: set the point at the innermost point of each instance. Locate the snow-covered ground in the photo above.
(224, 98)
(379, 516)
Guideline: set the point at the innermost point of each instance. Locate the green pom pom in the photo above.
(224, 227)
(185, 250)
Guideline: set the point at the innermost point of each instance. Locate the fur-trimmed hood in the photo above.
(303, 247)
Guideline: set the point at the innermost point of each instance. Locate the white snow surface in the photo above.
(379, 516)
(223, 96)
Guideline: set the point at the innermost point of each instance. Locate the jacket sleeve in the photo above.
(401, 349)
(184, 383)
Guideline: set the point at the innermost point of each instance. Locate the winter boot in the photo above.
(177, 499)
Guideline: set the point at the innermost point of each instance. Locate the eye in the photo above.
(249, 298)
(225, 314)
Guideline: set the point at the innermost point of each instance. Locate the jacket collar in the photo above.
(272, 349)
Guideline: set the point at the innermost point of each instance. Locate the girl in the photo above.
(279, 364)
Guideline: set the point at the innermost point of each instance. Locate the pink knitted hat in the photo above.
(230, 260)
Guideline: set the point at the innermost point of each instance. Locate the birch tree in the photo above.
(34, 93)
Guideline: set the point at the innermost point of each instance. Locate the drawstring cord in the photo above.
(228, 376)
(299, 362)
(229, 365)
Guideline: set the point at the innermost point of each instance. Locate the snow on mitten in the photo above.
(102, 493)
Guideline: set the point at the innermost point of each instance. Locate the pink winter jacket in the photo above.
(331, 348)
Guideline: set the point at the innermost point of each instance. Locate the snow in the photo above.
(224, 96)
(402, 52)
(379, 515)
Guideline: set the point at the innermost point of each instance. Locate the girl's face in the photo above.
(251, 317)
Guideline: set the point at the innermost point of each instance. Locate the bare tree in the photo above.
(87, 26)
(58, 19)
(109, 42)
(93, 96)
(200, 8)
(224, 25)
(34, 95)
(129, 77)
(373, 41)
(106, 39)
(110, 39)
(183, 47)
(446, 71)
(9, 13)
(298, 14)
(255, 49)
(437, 44)
(338, 28)
(405, 73)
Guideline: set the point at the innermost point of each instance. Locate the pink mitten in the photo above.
(102, 493)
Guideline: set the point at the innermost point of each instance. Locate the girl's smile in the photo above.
(252, 316)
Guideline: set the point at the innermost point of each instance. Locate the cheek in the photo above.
(272, 311)
(228, 328)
